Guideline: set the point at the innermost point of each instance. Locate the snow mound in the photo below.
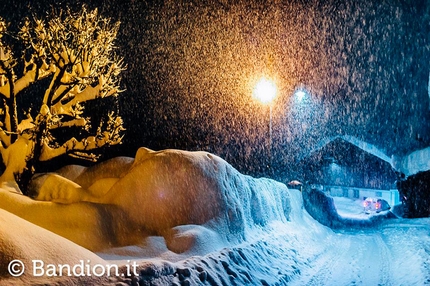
(303, 252)
(119, 202)
(22, 240)
(195, 201)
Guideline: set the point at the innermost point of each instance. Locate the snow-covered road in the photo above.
(361, 258)
(394, 253)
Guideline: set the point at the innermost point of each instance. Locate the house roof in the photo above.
(347, 161)
(369, 148)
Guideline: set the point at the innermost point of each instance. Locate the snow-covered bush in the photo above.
(72, 57)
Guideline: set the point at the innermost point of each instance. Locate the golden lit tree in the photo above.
(74, 54)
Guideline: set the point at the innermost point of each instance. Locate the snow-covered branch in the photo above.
(4, 138)
(34, 73)
(76, 122)
(82, 148)
(75, 53)
(6, 71)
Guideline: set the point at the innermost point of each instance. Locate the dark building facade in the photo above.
(344, 169)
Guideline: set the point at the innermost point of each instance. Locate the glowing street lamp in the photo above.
(300, 95)
(265, 91)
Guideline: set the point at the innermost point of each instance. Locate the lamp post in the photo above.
(265, 92)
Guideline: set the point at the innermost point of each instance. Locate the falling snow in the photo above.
(341, 68)
(189, 79)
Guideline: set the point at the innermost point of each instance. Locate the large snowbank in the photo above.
(194, 200)
(22, 240)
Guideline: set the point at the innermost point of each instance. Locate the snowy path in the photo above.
(394, 253)
(351, 259)
(397, 253)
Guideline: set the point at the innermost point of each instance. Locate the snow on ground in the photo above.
(280, 244)
(299, 252)
(349, 208)
(26, 242)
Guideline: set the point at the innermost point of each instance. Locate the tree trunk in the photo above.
(15, 158)
(12, 115)
(33, 158)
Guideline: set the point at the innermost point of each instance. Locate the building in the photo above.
(345, 166)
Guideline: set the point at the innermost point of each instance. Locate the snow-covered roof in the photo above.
(369, 148)
(413, 163)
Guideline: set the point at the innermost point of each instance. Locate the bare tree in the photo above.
(74, 54)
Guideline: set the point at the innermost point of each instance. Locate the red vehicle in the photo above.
(375, 205)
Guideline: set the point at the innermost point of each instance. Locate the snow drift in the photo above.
(188, 198)
(26, 242)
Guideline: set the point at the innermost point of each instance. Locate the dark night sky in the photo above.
(192, 65)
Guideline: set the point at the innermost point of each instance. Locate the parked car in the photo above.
(374, 205)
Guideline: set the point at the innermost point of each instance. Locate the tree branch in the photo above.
(76, 122)
(6, 89)
(87, 94)
(56, 81)
(36, 73)
(4, 138)
(73, 146)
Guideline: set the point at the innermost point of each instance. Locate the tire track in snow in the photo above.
(385, 259)
(325, 263)
(350, 259)
(409, 242)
